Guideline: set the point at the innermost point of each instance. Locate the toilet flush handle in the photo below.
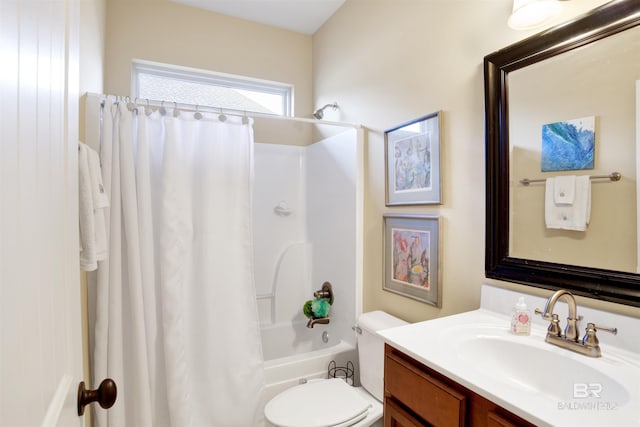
(356, 329)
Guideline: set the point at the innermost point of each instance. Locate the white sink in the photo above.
(538, 381)
(540, 370)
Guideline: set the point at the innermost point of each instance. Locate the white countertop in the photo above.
(475, 348)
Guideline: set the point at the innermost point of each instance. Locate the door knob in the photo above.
(105, 395)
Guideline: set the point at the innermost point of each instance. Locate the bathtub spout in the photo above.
(322, 320)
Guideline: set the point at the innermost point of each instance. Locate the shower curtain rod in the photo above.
(228, 111)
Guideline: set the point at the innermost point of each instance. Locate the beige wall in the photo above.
(162, 31)
(92, 44)
(386, 62)
(171, 33)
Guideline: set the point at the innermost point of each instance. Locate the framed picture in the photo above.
(568, 145)
(412, 162)
(411, 257)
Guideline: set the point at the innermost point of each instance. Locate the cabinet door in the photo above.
(497, 420)
(431, 399)
(395, 416)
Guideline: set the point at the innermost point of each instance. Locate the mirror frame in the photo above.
(610, 285)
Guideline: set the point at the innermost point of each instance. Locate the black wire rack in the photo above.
(343, 372)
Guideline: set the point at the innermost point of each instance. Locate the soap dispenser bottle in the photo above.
(521, 318)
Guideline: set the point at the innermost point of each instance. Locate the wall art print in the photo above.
(568, 145)
(412, 162)
(411, 257)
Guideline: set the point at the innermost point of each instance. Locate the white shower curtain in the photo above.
(176, 318)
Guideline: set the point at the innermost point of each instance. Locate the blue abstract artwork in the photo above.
(568, 145)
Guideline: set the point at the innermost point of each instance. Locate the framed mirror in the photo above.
(543, 80)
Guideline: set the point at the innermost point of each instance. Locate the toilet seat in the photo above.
(324, 403)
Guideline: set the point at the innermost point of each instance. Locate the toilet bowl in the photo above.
(332, 402)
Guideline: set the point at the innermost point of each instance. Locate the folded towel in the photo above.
(87, 218)
(100, 202)
(92, 201)
(574, 216)
(564, 190)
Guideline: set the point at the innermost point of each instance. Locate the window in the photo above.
(183, 85)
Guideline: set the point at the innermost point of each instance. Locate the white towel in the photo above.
(88, 260)
(564, 190)
(91, 203)
(568, 216)
(100, 202)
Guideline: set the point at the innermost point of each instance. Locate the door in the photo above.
(40, 332)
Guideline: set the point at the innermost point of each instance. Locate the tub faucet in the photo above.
(588, 345)
(320, 321)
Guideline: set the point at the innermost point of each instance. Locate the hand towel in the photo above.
(88, 260)
(564, 190)
(574, 216)
(100, 202)
(92, 202)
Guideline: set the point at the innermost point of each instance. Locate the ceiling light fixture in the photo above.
(529, 14)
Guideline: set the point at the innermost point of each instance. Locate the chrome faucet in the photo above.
(570, 339)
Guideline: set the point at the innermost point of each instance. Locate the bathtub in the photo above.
(292, 352)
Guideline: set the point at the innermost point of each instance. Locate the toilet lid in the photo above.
(317, 404)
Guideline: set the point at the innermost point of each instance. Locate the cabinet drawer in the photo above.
(395, 416)
(496, 420)
(426, 396)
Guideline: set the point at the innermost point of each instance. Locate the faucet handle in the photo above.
(541, 314)
(590, 337)
(554, 327)
(613, 331)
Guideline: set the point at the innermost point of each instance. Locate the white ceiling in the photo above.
(302, 16)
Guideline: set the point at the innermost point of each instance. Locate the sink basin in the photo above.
(540, 370)
(545, 384)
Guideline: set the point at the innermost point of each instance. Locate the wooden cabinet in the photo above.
(415, 395)
(395, 416)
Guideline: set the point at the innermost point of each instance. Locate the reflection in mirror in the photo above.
(595, 81)
(586, 68)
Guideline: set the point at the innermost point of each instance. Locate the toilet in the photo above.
(332, 402)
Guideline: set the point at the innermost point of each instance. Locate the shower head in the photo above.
(319, 113)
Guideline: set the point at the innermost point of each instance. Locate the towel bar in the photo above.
(613, 176)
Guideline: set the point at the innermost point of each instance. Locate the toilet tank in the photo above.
(371, 349)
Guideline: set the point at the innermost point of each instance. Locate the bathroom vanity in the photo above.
(415, 395)
(470, 370)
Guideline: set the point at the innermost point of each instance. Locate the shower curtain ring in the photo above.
(197, 115)
(130, 105)
(147, 109)
(163, 111)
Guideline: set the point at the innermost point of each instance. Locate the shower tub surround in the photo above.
(306, 232)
